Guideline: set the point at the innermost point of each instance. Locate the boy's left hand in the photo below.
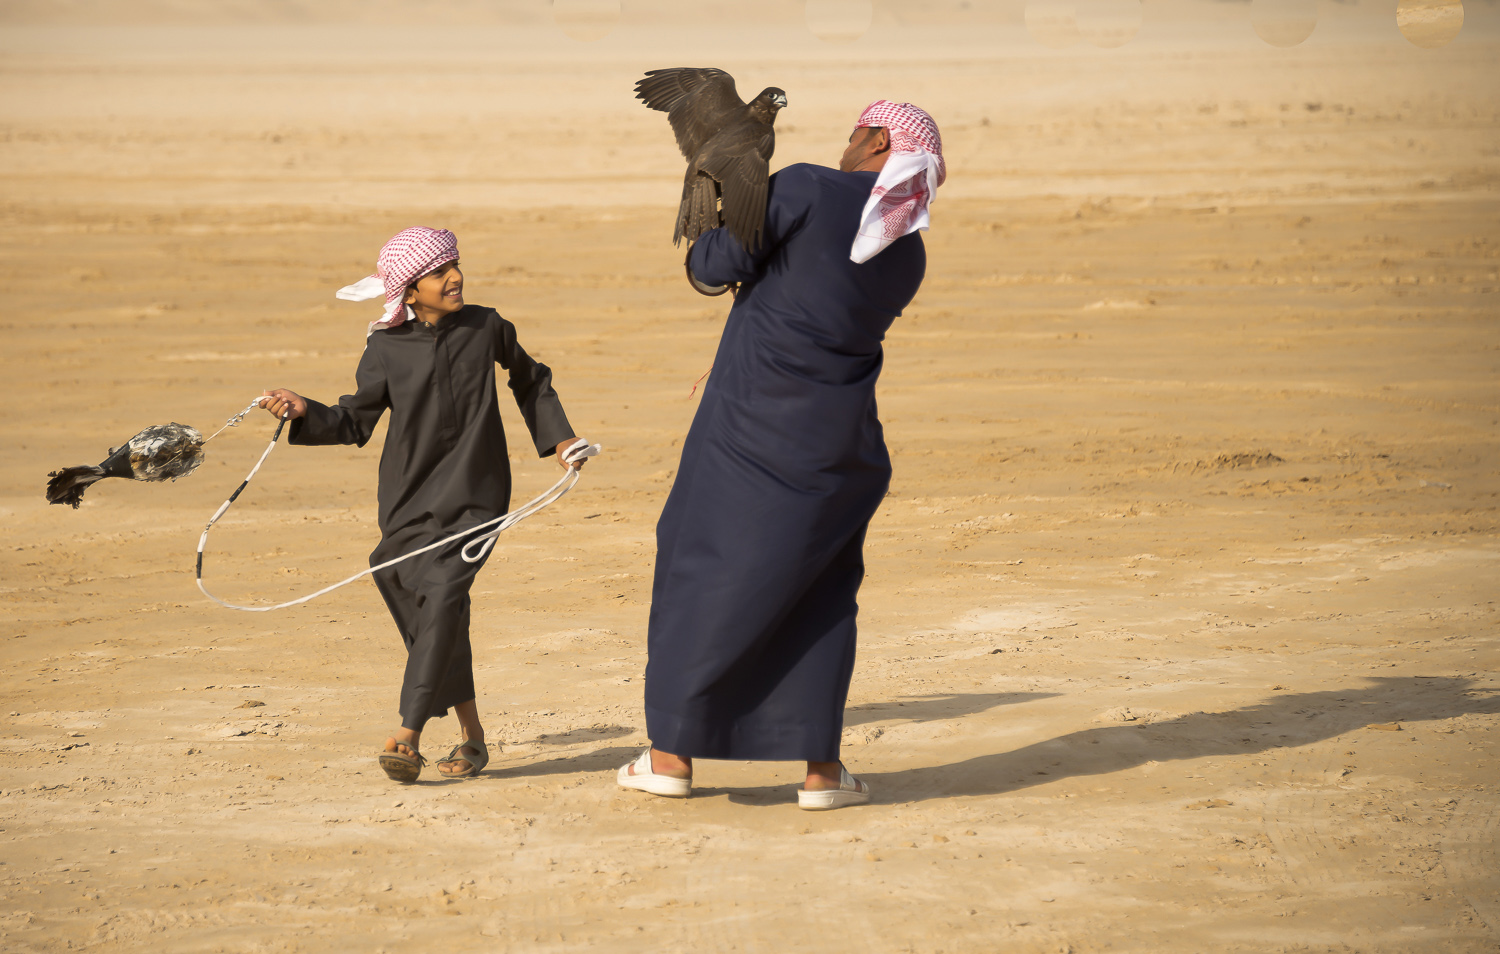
(563, 449)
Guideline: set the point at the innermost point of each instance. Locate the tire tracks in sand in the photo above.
(1301, 821)
(1470, 859)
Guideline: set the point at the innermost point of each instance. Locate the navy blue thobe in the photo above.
(760, 546)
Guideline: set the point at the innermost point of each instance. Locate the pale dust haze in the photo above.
(1179, 632)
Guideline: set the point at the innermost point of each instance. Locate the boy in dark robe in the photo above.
(445, 467)
(760, 546)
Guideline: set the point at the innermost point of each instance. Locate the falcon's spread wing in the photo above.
(728, 145)
(697, 102)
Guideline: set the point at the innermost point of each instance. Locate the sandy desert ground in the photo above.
(1180, 629)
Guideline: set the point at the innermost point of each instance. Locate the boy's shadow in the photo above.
(593, 733)
(934, 707)
(599, 760)
(910, 709)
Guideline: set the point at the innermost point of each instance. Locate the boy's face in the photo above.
(439, 292)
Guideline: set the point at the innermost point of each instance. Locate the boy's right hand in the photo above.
(280, 402)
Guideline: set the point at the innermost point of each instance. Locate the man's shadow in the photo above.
(1284, 720)
(1281, 721)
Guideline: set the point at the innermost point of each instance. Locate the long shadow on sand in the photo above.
(1282, 721)
(1285, 720)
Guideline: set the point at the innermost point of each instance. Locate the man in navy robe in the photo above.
(760, 545)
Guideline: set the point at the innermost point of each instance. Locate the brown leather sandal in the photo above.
(477, 754)
(402, 768)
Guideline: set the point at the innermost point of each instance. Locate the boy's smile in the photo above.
(440, 292)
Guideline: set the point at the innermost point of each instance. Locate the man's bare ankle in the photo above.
(672, 766)
(823, 775)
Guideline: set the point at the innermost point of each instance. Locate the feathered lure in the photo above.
(160, 452)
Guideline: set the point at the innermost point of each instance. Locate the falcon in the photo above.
(160, 452)
(727, 143)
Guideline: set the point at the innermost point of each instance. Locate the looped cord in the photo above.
(577, 451)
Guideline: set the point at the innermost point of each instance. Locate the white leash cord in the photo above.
(577, 451)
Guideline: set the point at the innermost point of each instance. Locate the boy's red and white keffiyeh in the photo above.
(908, 182)
(410, 254)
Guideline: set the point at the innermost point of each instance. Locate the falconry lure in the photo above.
(727, 143)
(160, 452)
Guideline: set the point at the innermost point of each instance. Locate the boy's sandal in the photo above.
(645, 780)
(400, 767)
(851, 791)
(478, 757)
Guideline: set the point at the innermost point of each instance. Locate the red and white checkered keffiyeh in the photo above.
(410, 254)
(908, 182)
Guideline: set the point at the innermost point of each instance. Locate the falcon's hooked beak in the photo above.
(779, 101)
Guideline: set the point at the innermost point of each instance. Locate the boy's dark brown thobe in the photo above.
(444, 468)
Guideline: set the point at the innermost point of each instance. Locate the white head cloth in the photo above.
(410, 254)
(909, 181)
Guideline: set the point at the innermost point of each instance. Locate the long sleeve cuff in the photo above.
(552, 427)
(717, 258)
(320, 425)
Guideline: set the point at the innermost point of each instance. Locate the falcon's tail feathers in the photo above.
(700, 208)
(67, 485)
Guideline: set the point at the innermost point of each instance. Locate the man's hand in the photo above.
(281, 401)
(563, 449)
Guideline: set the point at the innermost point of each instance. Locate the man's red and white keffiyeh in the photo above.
(410, 254)
(908, 182)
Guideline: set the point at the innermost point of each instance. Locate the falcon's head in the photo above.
(768, 102)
